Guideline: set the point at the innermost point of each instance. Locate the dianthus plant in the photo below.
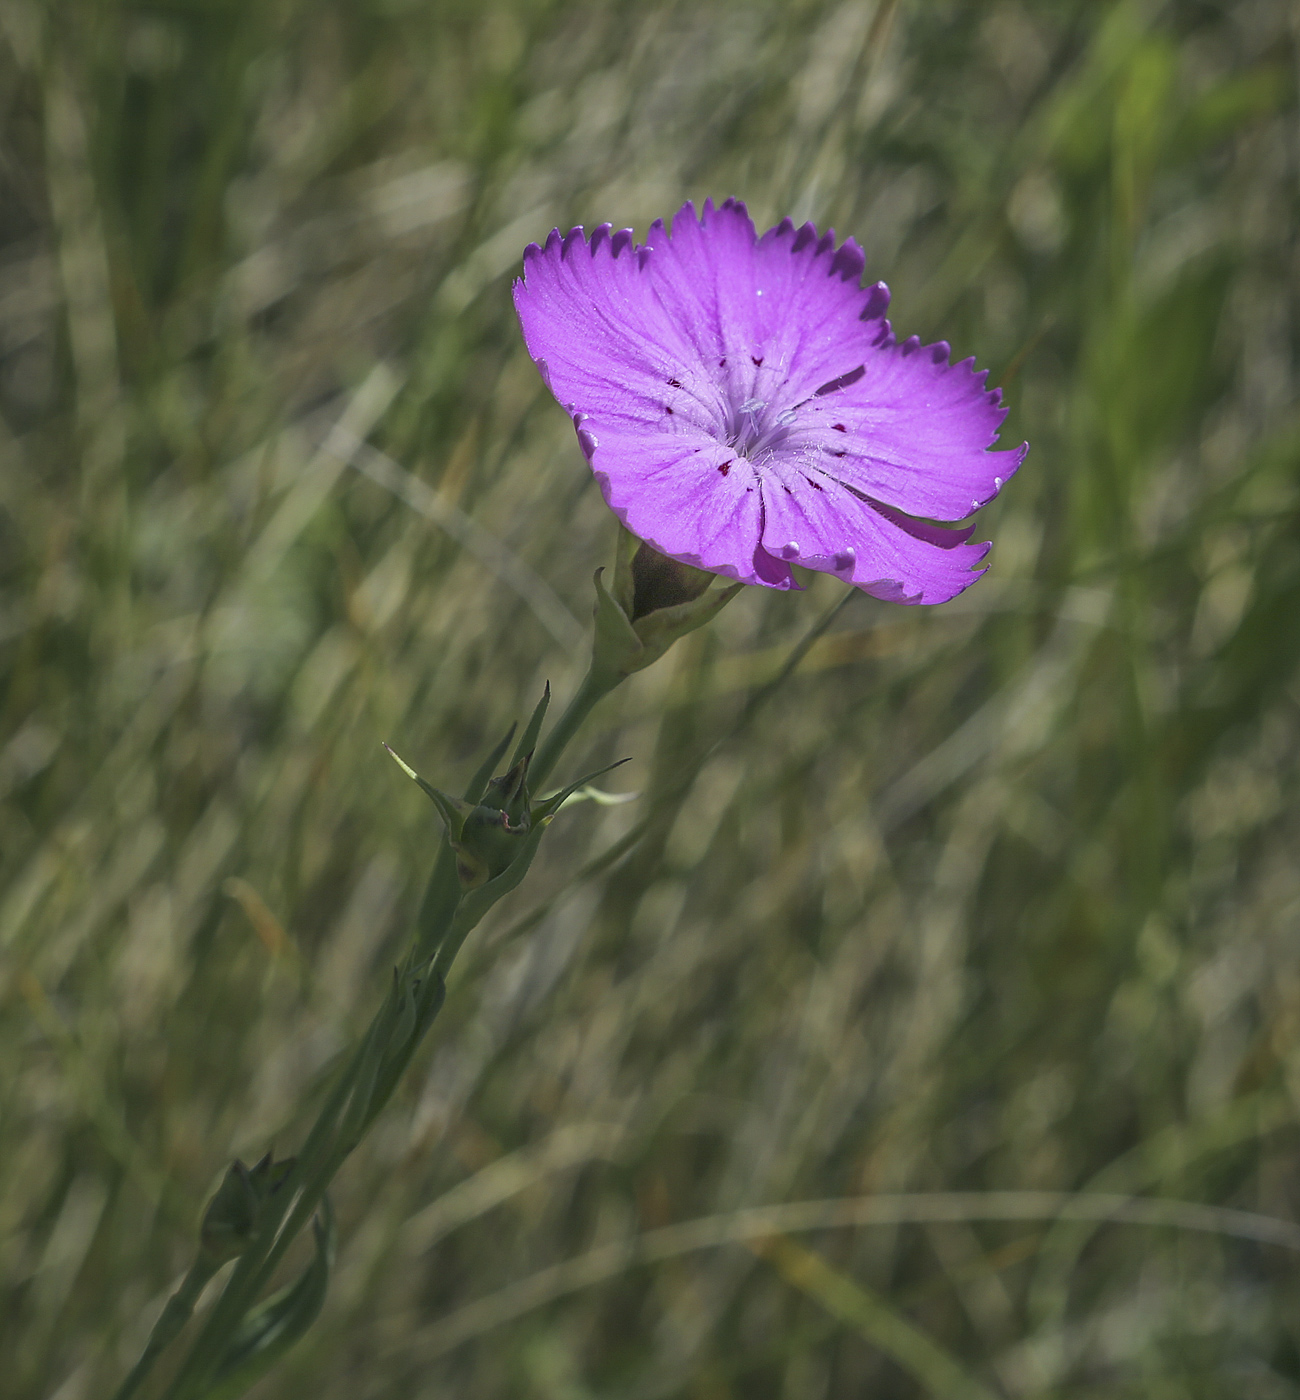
(745, 407)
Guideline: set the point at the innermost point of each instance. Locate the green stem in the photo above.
(240, 1289)
(179, 1309)
(439, 935)
(335, 1150)
(595, 686)
(677, 789)
(437, 907)
(390, 1075)
(318, 1162)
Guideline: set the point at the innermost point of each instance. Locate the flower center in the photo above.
(754, 428)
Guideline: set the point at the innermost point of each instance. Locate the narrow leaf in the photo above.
(405, 1020)
(478, 783)
(451, 809)
(552, 804)
(269, 1330)
(599, 796)
(528, 742)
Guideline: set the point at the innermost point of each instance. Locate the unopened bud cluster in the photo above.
(230, 1221)
(498, 820)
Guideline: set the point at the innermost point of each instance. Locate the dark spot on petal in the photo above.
(676, 383)
(667, 409)
(757, 359)
(839, 427)
(787, 490)
(812, 483)
(842, 382)
(726, 466)
(839, 454)
(722, 363)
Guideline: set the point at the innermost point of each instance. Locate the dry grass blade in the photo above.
(873, 1318)
(504, 563)
(765, 1222)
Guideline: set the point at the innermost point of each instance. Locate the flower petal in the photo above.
(689, 498)
(601, 339)
(817, 522)
(914, 430)
(744, 403)
(772, 318)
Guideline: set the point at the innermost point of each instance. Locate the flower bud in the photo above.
(659, 582)
(230, 1221)
(486, 836)
(491, 832)
(508, 794)
(497, 821)
(654, 601)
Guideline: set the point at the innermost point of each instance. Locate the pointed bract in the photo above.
(528, 740)
(622, 647)
(508, 794)
(478, 783)
(548, 806)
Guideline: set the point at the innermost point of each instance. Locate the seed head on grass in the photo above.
(745, 405)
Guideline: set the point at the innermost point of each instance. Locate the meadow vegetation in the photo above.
(997, 897)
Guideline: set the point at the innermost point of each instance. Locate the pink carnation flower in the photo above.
(744, 404)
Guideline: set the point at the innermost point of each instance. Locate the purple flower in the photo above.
(744, 403)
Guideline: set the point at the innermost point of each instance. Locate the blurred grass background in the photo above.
(1002, 896)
